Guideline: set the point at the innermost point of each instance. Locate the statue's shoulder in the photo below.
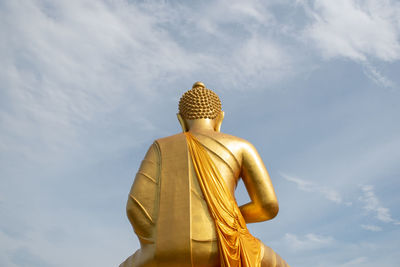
(234, 143)
(231, 139)
(168, 139)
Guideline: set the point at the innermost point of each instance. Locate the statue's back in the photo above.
(181, 204)
(166, 205)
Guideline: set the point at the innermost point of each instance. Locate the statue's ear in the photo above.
(182, 122)
(218, 121)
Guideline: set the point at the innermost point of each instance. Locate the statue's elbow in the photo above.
(130, 210)
(270, 209)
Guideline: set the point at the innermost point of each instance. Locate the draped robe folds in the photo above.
(236, 245)
(182, 210)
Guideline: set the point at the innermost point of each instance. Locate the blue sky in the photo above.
(86, 86)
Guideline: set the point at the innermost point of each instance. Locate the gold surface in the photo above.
(172, 213)
(236, 245)
(199, 103)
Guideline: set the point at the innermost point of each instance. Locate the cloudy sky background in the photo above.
(86, 86)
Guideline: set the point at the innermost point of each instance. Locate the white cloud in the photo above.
(7, 246)
(308, 186)
(247, 58)
(355, 29)
(376, 76)
(66, 64)
(46, 244)
(373, 205)
(373, 228)
(309, 242)
(262, 58)
(362, 31)
(355, 262)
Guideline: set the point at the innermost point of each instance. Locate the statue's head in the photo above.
(200, 103)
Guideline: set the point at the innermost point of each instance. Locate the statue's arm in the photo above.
(263, 205)
(140, 207)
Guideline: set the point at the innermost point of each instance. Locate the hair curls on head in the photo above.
(199, 103)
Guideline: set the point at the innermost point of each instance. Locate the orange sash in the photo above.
(236, 245)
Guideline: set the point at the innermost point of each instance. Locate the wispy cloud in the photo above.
(354, 29)
(75, 70)
(358, 30)
(355, 262)
(68, 64)
(308, 242)
(373, 228)
(376, 76)
(308, 186)
(373, 205)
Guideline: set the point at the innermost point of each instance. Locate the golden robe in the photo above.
(182, 211)
(236, 245)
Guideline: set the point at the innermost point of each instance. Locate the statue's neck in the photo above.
(200, 125)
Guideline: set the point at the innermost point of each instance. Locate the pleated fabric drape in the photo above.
(238, 248)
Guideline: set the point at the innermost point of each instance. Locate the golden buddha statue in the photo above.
(182, 205)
